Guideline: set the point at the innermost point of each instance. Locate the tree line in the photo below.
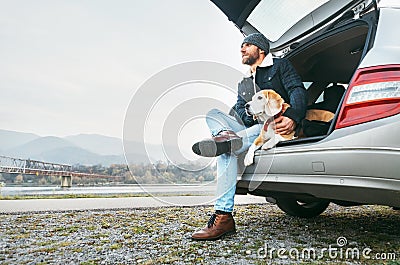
(151, 173)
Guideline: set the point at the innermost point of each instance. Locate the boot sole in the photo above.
(216, 238)
(210, 148)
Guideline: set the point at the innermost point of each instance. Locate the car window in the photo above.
(274, 17)
(307, 84)
(321, 97)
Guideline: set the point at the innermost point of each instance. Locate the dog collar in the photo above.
(268, 122)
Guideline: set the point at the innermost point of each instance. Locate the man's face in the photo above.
(250, 53)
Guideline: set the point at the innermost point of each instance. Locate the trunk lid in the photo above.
(284, 22)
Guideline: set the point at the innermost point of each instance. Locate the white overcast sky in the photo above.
(71, 66)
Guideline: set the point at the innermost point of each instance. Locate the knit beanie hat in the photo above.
(258, 40)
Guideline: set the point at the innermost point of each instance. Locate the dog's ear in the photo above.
(274, 103)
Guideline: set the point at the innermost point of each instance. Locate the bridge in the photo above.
(35, 167)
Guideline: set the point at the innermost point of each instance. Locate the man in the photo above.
(233, 136)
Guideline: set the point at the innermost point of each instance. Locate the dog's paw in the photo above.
(268, 145)
(249, 159)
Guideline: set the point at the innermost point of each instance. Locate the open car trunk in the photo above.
(327, 58)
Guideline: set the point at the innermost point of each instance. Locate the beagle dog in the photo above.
(266, 105)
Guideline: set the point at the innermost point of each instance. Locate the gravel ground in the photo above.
(161, 236)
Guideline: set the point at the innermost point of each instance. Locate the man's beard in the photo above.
(251, 59)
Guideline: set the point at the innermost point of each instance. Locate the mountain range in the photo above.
(84, 149)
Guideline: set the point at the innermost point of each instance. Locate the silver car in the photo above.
(353, 45)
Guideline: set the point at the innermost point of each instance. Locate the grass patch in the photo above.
(77, 250)
(138, 229)
(65, 244)
(91, 228)
(115, 246)
(45, 243)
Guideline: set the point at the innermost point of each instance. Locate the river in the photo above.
(206, 189)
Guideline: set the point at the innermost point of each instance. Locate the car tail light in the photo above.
(374, 93)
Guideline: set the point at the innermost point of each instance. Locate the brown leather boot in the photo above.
(225, 142)
(218, 226)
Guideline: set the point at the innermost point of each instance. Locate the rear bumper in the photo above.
(364, 190)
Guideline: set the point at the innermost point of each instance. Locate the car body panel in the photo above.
(386, 49)
(389, 3)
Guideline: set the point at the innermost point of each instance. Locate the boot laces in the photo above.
(212, 220)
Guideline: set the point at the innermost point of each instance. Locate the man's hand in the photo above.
(284, 125)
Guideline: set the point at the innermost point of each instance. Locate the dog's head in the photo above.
(266, 102)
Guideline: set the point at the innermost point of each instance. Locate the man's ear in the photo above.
(274, 104)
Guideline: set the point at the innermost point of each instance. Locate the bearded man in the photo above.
(233, 134)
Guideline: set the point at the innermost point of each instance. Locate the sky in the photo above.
(72, 66)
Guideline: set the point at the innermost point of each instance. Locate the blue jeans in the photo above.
(227, 164)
